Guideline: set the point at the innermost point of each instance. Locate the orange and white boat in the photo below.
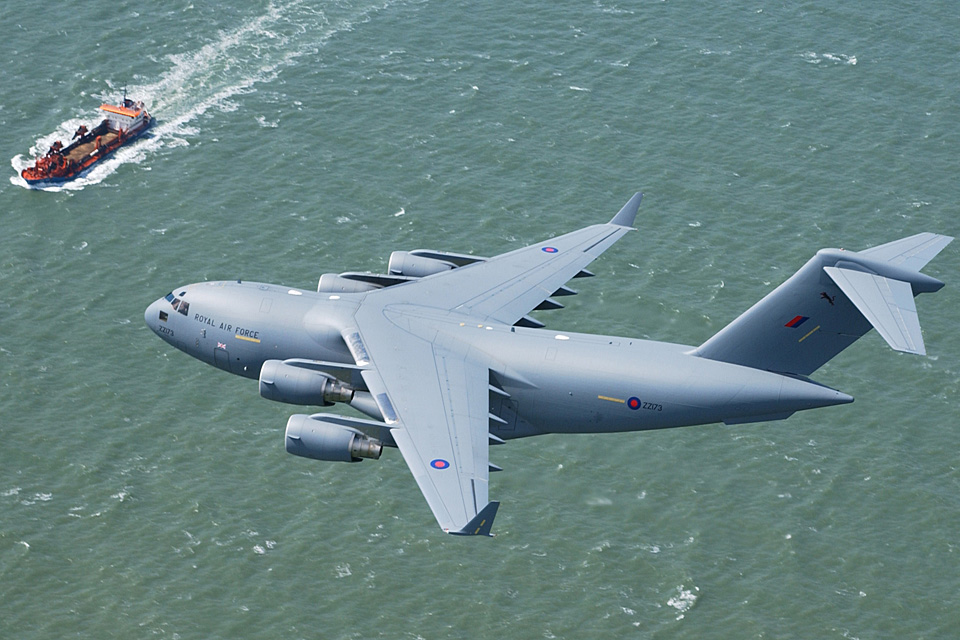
(121, 125)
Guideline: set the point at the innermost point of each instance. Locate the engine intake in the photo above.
(316, 438)
(295, 385)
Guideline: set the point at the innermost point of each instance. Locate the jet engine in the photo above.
(333, 283)
(296, 385)
(314, 437)
(406, 263)
(424, 262)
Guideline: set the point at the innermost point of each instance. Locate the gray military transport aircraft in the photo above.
(441, 356)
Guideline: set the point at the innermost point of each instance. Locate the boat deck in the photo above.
(81, 151)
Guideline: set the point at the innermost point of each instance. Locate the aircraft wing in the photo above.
(508, 286)
(434, 396)
(433, 388)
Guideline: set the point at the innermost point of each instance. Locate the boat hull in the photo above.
(81, 162)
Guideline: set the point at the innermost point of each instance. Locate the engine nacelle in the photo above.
(333, 283)
(314, 437)
(404, 263)
(295, 385)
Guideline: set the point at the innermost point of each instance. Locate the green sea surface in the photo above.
(145, 494)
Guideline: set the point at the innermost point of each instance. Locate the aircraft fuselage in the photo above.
(545, 381)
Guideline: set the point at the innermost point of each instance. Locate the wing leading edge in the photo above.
(432, 387)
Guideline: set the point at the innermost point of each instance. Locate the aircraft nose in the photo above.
(152, 315)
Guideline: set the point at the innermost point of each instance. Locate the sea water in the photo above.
(145, 494)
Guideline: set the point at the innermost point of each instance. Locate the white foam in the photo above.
(599, 502)
(684, 600)
(836, 58)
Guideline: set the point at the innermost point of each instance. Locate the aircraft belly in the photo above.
(610, 385)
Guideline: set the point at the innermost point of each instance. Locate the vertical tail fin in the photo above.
(830, 302)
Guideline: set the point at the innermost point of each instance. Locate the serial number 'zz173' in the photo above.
(650, 406)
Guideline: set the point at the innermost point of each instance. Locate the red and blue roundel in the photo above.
(550, 250)
(439, 463)
(634, 403)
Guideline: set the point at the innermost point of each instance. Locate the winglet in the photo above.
(481, 523)
(628, 213)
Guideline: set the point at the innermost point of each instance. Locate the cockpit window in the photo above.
(182, 306)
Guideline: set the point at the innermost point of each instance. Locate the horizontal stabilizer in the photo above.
(887, 303)
(911, 253)
(481, 523)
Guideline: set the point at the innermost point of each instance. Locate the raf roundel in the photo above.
(440, 463)
(634, 403)
(550, 250)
